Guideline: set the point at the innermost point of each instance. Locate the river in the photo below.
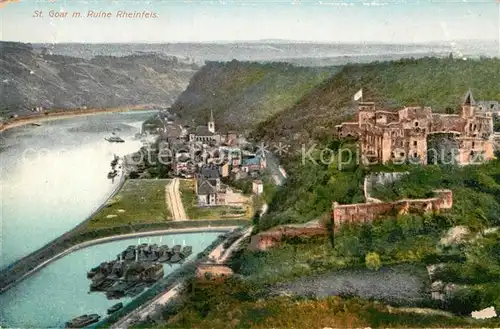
(53, 176)
(59, 292)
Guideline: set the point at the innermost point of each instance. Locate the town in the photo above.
(210, 159)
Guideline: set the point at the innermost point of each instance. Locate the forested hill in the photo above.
(439, 83)
(31, 78)
(242, 94)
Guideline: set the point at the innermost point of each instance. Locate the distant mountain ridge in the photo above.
(437, 82)
(31, 78)
(243, 94)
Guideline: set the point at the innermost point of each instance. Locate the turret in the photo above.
(468, 106)
(211, 123)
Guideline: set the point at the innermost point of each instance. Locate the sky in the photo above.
(356, 21)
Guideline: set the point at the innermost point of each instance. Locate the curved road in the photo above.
(273, 166)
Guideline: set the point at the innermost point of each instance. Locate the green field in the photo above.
(139, 201)
(188, 197)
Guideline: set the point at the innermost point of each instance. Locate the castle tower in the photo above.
(211, 123)
(468, 106)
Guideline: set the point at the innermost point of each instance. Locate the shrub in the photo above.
(372, 261)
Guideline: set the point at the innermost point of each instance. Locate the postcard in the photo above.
(249, 164)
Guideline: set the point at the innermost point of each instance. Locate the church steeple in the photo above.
(211, 123)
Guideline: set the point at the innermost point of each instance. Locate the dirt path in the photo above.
(173, 200)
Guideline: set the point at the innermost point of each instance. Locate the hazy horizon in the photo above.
(270, 41)
(233, 21)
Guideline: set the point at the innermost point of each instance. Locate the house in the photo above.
(225, 170)
(206, 192)
(253, 164)
(257, 187)
(238, 173)
(208, 186)
(230, 138)
(212, 173)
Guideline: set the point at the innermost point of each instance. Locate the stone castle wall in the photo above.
(272, 237)
(367, 212)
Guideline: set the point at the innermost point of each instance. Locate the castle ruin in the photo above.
(403, 136)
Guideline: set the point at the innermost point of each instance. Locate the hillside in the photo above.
(32, 78)
(439, 83)
(242, 94)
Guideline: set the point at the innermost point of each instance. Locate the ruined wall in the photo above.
(274, 236)
(348, 129)
(367, 212)
(213, 272)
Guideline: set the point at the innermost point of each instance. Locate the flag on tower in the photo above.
(358, 95)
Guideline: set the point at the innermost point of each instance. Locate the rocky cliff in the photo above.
(29, 79)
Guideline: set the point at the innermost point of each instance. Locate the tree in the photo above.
(372, 261)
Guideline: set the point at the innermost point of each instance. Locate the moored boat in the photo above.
(115, 308)
(186, 251)
(176, 249)
(83, 321)
(175, 258)
(114, 139)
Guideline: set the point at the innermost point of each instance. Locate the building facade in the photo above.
(402, 136)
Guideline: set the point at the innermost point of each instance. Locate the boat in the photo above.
(112, 174)
(175, 258)
(136, 290)
(114, 162)
(83, 321)
(164, 258)
(114, 139)
(93, 272)
(176, 249)
(115, 308)
(186, 251)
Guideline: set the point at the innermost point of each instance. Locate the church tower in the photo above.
(211, 123)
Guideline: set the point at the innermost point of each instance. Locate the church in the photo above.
(205, 134)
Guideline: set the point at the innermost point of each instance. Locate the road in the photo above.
(141, 313)
(274, 167)
(220, 256)
(173, 199)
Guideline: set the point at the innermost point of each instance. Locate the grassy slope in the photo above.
(242, 94)
(233, 304)
(139, 201)
(439, 83)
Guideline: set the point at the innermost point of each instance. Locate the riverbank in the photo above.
(67, 114)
